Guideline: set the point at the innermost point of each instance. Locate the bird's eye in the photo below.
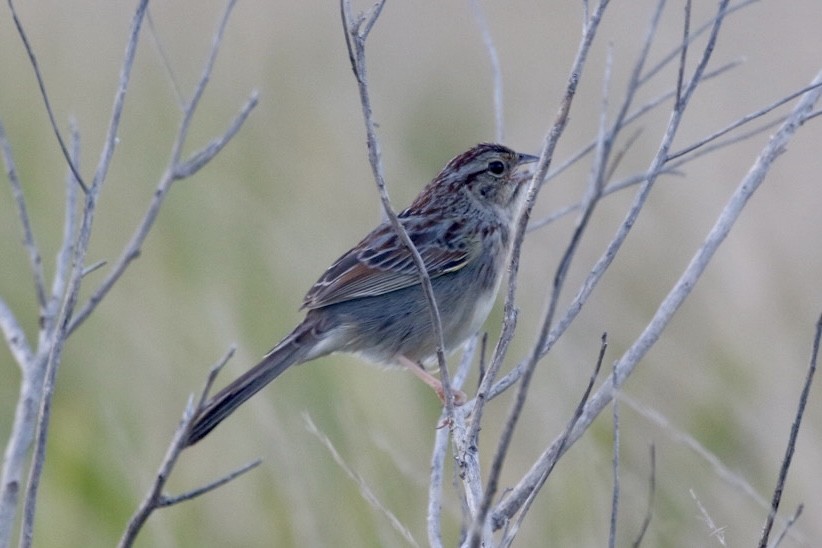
(496, 167)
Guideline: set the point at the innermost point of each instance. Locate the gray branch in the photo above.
(628, 362)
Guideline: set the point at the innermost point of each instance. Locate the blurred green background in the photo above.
(235, 248)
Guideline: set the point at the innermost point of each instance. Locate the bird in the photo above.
(370, 301)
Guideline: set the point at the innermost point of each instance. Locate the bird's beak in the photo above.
(526, 159)
(523, 160)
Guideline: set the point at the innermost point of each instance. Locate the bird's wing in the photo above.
(381, 263)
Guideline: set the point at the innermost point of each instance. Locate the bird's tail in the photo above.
(291, 351)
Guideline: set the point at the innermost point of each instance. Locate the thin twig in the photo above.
(166, 62)
(673, 300)
(601, 266)
(365, 491)
(356, 30)
(788, 526)
(740, 122)
(155, 498)
(467, 465)
(677, 51)
(35, 260)
(15, 337)
(615, 491)
(649, 512)
(496, 69)
(630, 118)
(166, 500)
(69, 300)
(513, 528)
(62, 269)
(551, 139)
(440, 451)
(715, 531)
(789, 450)
(675, 160)
(174, 171)
(200, 158)
(199, 89)
(212, 376)
(683, 54)
(41, 84)
(515, 498)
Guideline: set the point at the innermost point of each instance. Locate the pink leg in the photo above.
(431, 380)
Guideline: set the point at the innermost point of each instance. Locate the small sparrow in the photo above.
(370, 301)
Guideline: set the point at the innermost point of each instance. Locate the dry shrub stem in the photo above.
(484, 511)
(627, 363)
(46, 103)
(478, 496)
(616, 491)
(58, 317)
(789, 450)
(356, 29)
(649, 512)
(155, 498)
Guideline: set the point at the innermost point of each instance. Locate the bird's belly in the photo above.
(385, 326)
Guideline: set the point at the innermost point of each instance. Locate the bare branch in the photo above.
(675, 297)
(69, 300)
(15, 336)
(683, 54)
(32, 367)
(651, 493)
(212, 376)
(434, 514)
(200, 158)
(496, 69)
(740, 122)
(161, 50)
(615, 492)
(173, 172)
(57, 310)
(41, 84)
(468, 470)
(684, 156)
(63, 265)
(788, 525)
(191, 107)
(513, 528)
(356, 31)
(364, 489)
(590, 27)
(628, 119)
(786, 461)
(152, 499)
(35, 261)
(716, 532)
(599, 269)
(155, 498)
(165, 500)
(693, 35)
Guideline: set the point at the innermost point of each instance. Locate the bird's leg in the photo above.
(432, 381)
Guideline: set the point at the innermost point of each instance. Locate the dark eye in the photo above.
(496, 167)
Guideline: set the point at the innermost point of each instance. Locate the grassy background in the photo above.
(235, 248)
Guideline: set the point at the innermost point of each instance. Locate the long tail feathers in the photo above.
(289, 352)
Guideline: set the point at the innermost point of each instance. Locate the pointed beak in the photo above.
(523, 169)
(526, 159)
